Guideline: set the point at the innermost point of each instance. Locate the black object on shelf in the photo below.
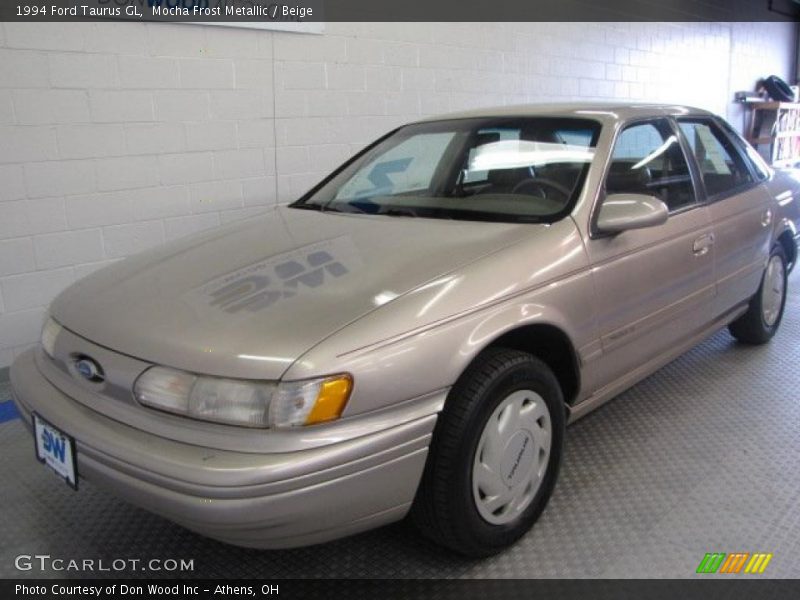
(778, 89)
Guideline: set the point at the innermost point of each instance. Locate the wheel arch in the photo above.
(786, 239)
(550, 344)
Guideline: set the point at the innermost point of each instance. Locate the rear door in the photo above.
(654, 286)
(740, 210)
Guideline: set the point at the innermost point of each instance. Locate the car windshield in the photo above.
(500, 169)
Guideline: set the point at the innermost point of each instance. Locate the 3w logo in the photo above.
(719, 562)
(54, 445)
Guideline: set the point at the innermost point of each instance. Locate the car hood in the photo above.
(248, 299)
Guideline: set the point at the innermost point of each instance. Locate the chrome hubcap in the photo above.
(772, 291)
(512, 456)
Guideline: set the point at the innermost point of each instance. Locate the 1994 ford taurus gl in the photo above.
(414, 333)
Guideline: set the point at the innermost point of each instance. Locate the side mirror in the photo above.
(621, 212)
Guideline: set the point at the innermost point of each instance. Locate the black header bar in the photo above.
(288, 11)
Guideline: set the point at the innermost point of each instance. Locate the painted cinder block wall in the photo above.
(115, 137)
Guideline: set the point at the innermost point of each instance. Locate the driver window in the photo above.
(648, 159)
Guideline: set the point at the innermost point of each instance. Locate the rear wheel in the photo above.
(495, 454)
(763, 316)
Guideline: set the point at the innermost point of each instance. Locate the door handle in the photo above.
(766, 218)
(703, 244)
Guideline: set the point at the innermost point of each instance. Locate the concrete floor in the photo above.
(703, 456)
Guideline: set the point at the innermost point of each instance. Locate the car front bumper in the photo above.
(275, 500)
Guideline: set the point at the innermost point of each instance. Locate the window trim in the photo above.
(700, 192)
(742, 187)
(594, 233)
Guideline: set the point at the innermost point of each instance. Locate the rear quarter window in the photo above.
(722, 167)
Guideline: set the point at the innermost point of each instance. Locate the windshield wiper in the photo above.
(305, 206)
(326, 208)
(398, 212)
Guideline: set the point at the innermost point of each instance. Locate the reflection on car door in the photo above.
(654, 286)
(739, 207)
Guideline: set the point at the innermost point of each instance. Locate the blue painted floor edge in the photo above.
(8, 411)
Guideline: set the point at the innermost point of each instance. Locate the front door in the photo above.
(654, 286)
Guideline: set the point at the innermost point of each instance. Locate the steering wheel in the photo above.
(543, 185)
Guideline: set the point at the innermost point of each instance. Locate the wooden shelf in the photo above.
(774, 105)
(775, 131)
(770, 139)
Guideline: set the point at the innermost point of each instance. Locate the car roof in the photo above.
(603, 111)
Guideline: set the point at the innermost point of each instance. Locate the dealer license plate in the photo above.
(56, 449)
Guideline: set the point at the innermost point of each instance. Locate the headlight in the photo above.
(244, 402)
(50, 332)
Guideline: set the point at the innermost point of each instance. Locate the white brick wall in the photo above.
(118, 136)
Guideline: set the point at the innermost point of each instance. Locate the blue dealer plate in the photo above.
(56, 449)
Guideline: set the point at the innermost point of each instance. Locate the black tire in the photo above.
(444, 509)
(751, 328)
(778, 89)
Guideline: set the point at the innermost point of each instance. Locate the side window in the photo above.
(648, 159)
(759, 166)
(751, 156)
(721, 166)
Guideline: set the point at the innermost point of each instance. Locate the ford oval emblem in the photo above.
(89, 369)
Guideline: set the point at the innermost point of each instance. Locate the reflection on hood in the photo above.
(281, 277)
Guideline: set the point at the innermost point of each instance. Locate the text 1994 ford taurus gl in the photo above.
(414, 333)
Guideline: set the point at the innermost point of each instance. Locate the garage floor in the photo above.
(703, 456)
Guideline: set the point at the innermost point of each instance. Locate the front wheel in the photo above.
(763, 316)
(495, 454)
